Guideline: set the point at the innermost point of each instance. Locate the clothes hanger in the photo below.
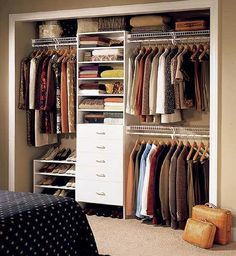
(205, 153)
(149, 141)
(206, 48)
(155, 142)
(194, 145)
(201, 145)
(143, 142)
(199, 49)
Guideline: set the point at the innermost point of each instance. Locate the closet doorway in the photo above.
(20, 29)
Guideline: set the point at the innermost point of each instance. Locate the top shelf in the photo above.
(100, 47)
(103, 33)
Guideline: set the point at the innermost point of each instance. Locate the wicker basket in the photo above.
(87, 25)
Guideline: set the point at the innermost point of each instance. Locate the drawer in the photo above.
(108, 160)
(100, 192)
(100, 173)
(100, 131)
(100, 146)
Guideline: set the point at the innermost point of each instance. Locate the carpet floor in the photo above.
(132, 238)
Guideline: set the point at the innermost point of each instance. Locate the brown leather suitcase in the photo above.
(199, 233)
(190, 25)
(221, 218)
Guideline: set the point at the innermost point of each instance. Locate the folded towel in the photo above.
(113, 99)
(87, 72)
(89, 76)
(149, 20)
(94, 38)
(113, 73)
(161, 28)
(88, 92)
(107, 52)
(115, 104)
(94, 67)
(92, 86)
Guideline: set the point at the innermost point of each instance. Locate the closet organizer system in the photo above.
(129, 127)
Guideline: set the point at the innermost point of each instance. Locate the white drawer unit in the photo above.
(100, 173)
(109, 160)
(100, 192)
(99, 131)
(100, 146)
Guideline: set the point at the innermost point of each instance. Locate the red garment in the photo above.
(64, 99)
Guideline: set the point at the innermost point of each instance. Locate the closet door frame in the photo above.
(189, 5)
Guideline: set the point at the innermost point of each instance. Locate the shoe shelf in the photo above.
(55, 161)
(54, 187)
(55, 174)
(100, 48)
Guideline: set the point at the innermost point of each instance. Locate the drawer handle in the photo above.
(100, 193)
(100, 147)
(100, 161)
(101, 175)
(100, 133)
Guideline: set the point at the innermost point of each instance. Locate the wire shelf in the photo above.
(169, 131)
(171, 35)
(54, 42)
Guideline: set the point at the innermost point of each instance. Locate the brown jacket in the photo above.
(164, 185)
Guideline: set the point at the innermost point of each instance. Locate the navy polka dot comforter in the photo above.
(38, 224)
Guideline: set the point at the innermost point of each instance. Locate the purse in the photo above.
(199, 233)
(221, 218)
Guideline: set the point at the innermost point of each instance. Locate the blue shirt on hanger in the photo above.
(141, 179)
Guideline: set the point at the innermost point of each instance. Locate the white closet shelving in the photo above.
(100, 146)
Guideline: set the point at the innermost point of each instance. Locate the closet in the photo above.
(111, 114)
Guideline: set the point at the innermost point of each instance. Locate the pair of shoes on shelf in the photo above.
(52, 152)
(71, 170)
(61, 192)
(47, 181)
(61, 168)
(48, 168)
(71, 183)
(62, 154)
(72, 157)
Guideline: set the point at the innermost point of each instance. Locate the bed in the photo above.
(38, 224)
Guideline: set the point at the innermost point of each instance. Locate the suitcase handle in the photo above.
(210, 205)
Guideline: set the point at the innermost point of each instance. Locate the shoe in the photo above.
(70, 182)
(41, 182)
(71, 170)
(49, 181)
(51, 167)
(65, 154)
(64, 168)
(53, 154)
(57, 168)
(48, 153)
(57, 193)
(44, 168)
(64, 193)
(72, 157)
(58, 155)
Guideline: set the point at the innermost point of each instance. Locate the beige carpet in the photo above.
(132, 238)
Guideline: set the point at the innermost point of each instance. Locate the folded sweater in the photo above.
(113, 73)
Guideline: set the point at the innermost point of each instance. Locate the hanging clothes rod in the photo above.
(54, 42)
(173, 132)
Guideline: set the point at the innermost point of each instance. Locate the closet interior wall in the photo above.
(24, 155)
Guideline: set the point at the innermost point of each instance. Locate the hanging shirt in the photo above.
(141, 179)
(131, 68)
(146, 180)
(160, 99)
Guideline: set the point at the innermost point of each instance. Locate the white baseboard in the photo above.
(234, 234)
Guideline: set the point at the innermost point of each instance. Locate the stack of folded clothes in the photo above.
(149, 23)
(91, 104)
(113, 118)
(94, 118)
(87, 56)
(92, 71)
(113, 103)
(94, 41)
(112, 73)
(92, 88)
(107, 54)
